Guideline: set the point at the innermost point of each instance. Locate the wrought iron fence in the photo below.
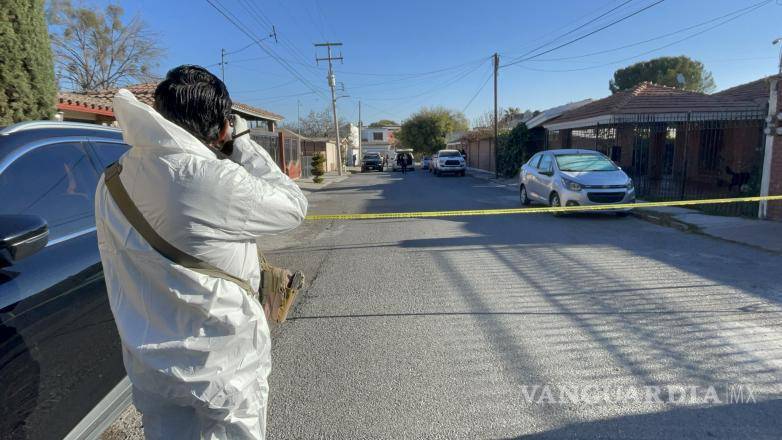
(683, 158)
(269, 141)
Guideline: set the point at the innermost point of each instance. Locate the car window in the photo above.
(109, 152)
(450, 154)
(56, 182)
(545, 163)
(584, 162)
(534, 161)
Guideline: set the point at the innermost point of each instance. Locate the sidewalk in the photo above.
(762, 234)
(307, 184)
(511, 184)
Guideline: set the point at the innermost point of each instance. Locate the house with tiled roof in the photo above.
(675, 143)
(95, 107)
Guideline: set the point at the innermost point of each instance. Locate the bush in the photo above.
(513, 150)
(27, 87)
(318, 168)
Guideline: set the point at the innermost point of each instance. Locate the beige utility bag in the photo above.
(279, 286)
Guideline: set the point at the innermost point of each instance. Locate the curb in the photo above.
(663, 219)
(489, 176)
(321, 186)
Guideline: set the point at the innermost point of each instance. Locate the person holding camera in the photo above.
(179, 219)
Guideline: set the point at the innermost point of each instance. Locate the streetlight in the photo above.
(780, 53)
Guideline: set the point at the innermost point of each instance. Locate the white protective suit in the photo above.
(196, 348)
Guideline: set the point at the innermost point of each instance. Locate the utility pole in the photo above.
(298, 116)
(360, 146)
(222, 64)
(496, 121)
(332, 83)
(223, 52)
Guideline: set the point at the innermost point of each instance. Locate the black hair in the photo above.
(194, 99)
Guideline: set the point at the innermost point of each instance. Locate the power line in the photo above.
(415, 73)
(480, 89)
(660, 37)
(693, 35)
(461, 74)
(236, 22)
(576, 29)
(585, 35)
(545, 35)
(266, 88)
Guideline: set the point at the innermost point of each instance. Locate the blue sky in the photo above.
(395, 52)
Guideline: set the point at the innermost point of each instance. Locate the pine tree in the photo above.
(318, 168)
(27, 86)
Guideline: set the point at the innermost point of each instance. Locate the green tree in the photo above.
(27, 87)
(666, 71)
(96, 50)
(318, 167)
(382, 123)
(426, 131)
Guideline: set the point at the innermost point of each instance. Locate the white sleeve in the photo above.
(268, 200)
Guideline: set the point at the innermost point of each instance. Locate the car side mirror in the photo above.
(21, 236)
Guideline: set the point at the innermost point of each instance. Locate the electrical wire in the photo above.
(693, 35)
(480, 89)
(237, 23)
(519, 60)
(576, 29)
(660, 37)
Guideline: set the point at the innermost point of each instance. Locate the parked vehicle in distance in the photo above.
(410, 160)
(449, 161)
(425, 162)
(371, 161)
(574, 177)
(61, 370)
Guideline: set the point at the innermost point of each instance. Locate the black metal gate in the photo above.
(700, 159)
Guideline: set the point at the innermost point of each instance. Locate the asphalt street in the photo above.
(446, 327)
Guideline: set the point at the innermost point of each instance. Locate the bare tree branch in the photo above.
(96, 50)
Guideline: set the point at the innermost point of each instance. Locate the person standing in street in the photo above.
(196, 343)
(401, 161)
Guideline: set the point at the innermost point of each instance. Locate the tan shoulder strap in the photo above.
(164, 248)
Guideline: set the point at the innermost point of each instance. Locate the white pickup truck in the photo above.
(449, 161)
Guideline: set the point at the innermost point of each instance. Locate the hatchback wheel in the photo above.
(523, 197)
(555, 202)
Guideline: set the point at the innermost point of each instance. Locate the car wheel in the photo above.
(523, 197)
(555, 202)
(463, 173)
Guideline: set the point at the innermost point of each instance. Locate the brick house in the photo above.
(95, 108)
(675, 143)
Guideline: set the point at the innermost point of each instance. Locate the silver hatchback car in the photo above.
(574, 178)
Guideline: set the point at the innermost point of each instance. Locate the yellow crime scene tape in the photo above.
(538, 210)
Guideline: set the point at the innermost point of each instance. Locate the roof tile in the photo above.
(145, 93)
(649, 98)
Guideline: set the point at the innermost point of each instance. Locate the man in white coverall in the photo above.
(196, 347)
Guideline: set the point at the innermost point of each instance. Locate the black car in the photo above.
(61, 371)
(371, 161)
